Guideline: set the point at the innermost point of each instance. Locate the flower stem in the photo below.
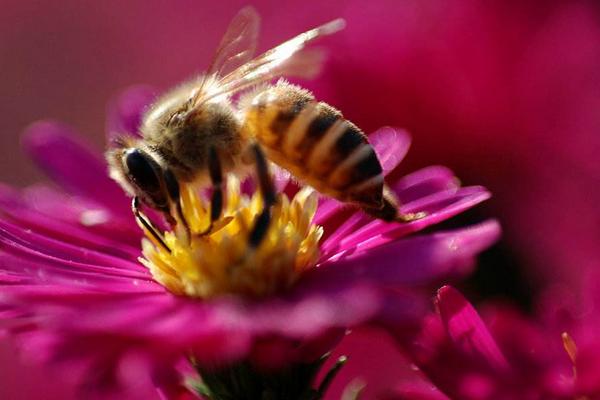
(243, 381)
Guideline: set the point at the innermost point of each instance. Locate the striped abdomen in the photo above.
(317, 145)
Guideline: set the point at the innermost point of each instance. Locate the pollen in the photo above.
(218, 260)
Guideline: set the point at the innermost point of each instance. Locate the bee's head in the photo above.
(141, 175)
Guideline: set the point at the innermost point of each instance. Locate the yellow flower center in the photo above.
(222, 261)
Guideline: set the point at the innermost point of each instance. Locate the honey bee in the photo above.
(233, 118)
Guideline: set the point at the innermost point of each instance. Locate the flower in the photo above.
(74, 292)
(503, 356)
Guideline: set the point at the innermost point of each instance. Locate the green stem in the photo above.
(331, 375)
(243, 381)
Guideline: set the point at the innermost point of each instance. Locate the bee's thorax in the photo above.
(183, 138)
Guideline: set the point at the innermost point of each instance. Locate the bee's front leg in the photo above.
(147, 224)
(267, 190)
(175, 197)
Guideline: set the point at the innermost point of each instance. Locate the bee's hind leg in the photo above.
(390, 211)
(267, 189)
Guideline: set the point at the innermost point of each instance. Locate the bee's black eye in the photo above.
(142, 170)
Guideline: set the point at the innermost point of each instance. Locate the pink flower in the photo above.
(73, 291)
(507, 357)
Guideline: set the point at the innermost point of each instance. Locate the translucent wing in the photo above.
(289, 58)
(238, 44)
(236, 48)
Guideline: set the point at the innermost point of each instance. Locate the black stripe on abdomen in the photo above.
(317, 128)
(345, 144)
(284, 118)
(349, 141)
(368, 167)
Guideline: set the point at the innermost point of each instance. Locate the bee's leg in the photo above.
(147, 224)
(216, 177)
(410, 217)
(391, 209)
(261, 223)
(175, 196)
(389, 199)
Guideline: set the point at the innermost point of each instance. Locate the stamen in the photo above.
(571, 349)
(219, 258)
(570, 346)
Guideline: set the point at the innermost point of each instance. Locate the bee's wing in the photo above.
(289, 58)
(237, 47)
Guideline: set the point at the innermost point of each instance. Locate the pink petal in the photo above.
(466, 329)
(439, 207)
(374, 357)
(391, 145)
(415, 390)
(327, 208)
(123, 242)
(81, 212)
(413, 261)
(39, 244)
(220, 330)
(309, 311)
(354, 221)
(75, 167)
(425, 182)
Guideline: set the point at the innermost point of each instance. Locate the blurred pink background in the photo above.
(505, 92)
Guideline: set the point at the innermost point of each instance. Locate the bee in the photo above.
(234, 118)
